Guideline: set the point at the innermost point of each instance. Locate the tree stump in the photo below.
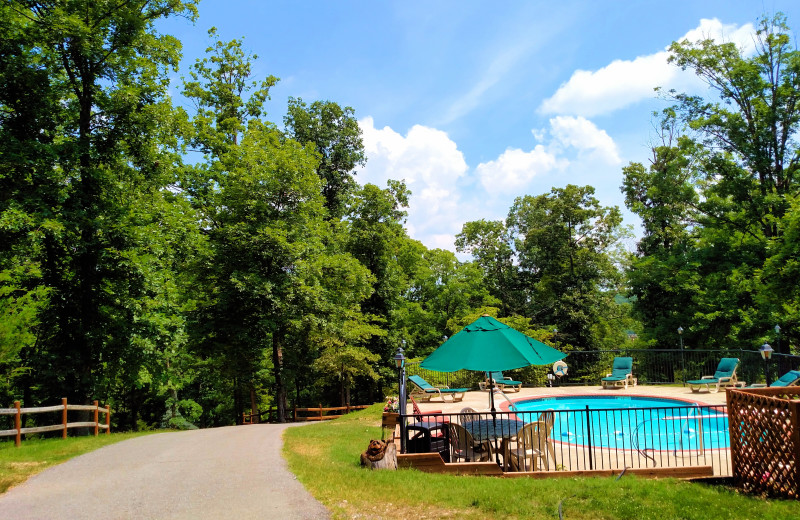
(380, 455)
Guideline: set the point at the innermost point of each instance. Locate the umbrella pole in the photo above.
(494, 423)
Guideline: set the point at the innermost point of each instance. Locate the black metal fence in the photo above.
(581, 439)
(652, 367)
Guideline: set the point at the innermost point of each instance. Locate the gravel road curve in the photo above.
(234, 472)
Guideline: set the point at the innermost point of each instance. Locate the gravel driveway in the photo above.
(233, 472)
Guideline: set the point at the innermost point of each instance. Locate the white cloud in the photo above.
(625, 82)
(584, 136)
(430, 164)
(568, 137)
(436, 172)
(515, 169)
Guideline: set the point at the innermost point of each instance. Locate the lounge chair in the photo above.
(424, 391)
(533, 443)
(621, 374)
(501, 382)
(724, 376)
(464, 447)
(790, 378)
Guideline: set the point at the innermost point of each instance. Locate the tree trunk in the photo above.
(280, 386)
(389, 460)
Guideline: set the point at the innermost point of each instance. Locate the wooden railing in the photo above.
(320, 413)
(18, 411)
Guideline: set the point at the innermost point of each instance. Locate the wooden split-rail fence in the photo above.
(319, 414)
(18, 431)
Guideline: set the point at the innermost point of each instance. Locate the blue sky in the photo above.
(477, 103)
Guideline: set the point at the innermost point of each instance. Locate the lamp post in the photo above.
(400, 362)
(683, 357)
(778, 348)
(766, 355)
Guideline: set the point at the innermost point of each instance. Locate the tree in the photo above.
(721, 191)
(275, 278)
(749, 132)
(491, 245)
(87, 140)
(441, 289)
(568, 248)
(334, 132)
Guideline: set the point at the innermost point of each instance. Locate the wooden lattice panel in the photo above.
(765, 440)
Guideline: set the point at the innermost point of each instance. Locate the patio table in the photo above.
(486, 430)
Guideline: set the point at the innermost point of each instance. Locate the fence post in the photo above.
(64, 417)
(96, 413)
(108, 420)
(18, 425)
(589, 436)
(320, 411)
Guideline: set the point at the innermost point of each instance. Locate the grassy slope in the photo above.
(325, 458)
(33, 456)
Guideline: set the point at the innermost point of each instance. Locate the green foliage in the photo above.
(334, 133)
(556, 260)
(716, 196)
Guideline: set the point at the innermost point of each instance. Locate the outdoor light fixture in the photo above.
(766, 355)
(399, 358)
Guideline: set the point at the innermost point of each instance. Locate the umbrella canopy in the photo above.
(488, 345)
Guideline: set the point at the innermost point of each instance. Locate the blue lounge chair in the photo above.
(502, 381)
(790, 378)
(621, 374)
(724, 376)
(424, 391)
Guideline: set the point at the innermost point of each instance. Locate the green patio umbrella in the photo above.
(488, 345)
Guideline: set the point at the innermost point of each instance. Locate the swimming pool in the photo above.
(631, 422)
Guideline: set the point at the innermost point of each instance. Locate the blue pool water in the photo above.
(631, 422)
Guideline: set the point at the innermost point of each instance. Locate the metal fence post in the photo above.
(589, 436)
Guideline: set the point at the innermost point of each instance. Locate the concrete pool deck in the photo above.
(479, 400)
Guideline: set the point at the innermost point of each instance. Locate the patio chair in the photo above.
(424, 391)
(621, 374)
(501, 382)
(790, 378)
(464, 447)
(419, 415)
(533, 443)
(468, 414)
(724, 376)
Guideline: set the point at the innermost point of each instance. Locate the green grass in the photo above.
(325, 458)
(33, 456)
